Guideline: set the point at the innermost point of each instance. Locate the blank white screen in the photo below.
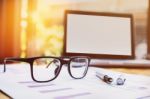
(98, 34)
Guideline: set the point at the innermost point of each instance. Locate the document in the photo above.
(18, 84)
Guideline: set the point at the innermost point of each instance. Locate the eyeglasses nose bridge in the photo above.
(65, 61)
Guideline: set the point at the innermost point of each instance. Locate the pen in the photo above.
(119, 81)
(105, 78)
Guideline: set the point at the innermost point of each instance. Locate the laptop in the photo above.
(108, 38)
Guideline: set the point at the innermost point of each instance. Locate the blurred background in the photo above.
(35, 27)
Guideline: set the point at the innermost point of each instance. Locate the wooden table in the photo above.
(139, 71)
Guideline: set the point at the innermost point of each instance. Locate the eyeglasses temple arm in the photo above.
(49, 64)
(13, 59)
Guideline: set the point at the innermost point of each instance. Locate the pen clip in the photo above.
(107, 79)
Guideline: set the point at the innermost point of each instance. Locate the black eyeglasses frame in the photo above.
(63, 60)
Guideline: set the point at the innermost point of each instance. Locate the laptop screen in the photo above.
(98, 34)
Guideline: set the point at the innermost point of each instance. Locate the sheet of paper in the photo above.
(17, 83)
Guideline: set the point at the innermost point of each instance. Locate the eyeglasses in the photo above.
(45, 69)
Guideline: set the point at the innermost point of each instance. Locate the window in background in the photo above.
(46, 37)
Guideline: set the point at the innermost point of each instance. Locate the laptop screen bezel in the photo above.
(97, 56)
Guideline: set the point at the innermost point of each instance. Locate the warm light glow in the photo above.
(24, 15)
(23, 22)
(23, 54)
(48, 38)
(23, 40)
